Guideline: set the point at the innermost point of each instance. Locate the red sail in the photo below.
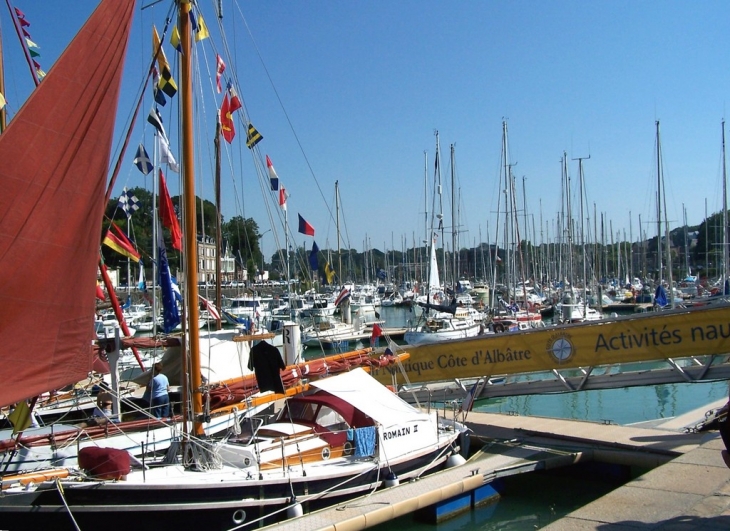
(55, 155)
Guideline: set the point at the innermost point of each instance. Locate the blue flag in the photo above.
(142, 160)
(313, 263)
(170, 314)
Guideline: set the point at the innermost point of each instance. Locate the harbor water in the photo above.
(531, 501)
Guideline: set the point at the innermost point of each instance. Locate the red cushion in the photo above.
(104, 463)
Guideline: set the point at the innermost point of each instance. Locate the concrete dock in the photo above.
(691, 492)
(687, 488)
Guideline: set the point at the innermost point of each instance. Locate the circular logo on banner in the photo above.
(561, 347)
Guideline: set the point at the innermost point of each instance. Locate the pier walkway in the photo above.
(691, 492)
(688, 488)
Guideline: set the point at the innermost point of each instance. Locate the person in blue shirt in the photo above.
(157, 392)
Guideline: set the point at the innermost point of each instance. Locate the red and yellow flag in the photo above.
(118, 241)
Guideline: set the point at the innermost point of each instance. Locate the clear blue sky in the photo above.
(355, 90)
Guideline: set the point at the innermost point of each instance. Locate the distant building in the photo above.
(228, 266)
(207, 255)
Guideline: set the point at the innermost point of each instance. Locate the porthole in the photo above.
(239, 516)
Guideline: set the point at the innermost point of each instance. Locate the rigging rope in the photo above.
(59, 487)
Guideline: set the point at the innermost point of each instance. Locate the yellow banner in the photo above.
(645, 337)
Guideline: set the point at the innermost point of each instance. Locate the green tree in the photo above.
(242, 236)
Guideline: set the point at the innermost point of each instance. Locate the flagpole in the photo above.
(337, 210)
(288, 276)
(218, 234)
(155, 250)
(129, 266)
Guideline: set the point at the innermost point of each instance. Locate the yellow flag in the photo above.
(175, 39)
(202, 29)
(329, 273)
(2, 101)
(167, 83)
(20, 417)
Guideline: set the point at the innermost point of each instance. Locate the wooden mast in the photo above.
(189, 222)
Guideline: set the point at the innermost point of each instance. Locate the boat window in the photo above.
(300, 411)
(244, 304)
(329, 418)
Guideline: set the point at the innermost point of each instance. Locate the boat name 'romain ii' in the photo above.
(399, 432)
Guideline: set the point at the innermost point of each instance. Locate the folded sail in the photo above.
(55, 155)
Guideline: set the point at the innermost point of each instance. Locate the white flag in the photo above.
(166, 155)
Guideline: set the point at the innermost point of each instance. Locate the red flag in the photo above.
(221, 66)
(227, 120)
(167, 215)
(100, 292)
(210, 307)
(282, 198)
(305, 227)
(235, 102)
(343, 296)
(273, 178)
(377, 331)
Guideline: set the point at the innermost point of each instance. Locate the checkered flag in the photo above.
(128, 202)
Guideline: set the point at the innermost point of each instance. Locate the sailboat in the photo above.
(449, 320)
(346, 436)
(664, 292)
(506, 314)
(574, 307)
(441, 321)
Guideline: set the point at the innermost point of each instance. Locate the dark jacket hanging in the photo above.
(266, 362)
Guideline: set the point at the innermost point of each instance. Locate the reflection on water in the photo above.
(625, 405)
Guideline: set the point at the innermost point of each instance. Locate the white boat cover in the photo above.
(365, 393)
